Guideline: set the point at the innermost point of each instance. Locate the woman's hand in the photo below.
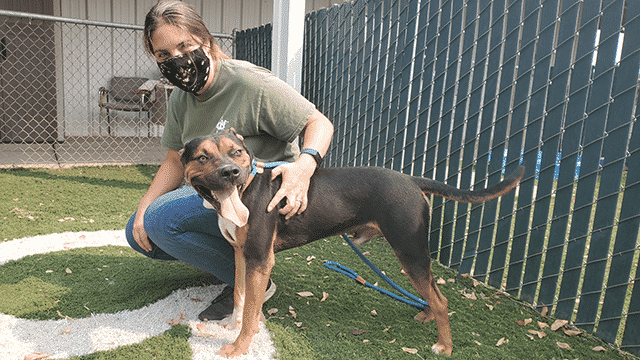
(139, 234)
(296, 176)
(295, 186)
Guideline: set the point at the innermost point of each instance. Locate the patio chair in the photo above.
(131, 94)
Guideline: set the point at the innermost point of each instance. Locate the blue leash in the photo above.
(413, 300)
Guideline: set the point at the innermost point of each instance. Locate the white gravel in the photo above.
(71, 337)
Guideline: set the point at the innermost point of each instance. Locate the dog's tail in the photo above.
(429, 186)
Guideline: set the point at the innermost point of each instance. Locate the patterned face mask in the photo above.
(189, 71)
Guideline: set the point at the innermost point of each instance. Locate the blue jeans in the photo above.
(180, 228)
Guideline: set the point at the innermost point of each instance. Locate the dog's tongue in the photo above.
(232, 208)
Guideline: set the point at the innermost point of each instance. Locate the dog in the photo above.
(366, 201)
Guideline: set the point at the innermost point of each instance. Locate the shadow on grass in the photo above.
(125, 177)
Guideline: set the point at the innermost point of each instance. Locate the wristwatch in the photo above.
(314, 153)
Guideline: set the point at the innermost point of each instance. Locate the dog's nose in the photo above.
(230, 172)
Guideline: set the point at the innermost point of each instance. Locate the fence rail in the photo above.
(434, 88)
(51, 73)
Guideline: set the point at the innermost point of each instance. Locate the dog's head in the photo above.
(217, 166)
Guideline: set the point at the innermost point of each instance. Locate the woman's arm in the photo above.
(169, 177)
(316, 134)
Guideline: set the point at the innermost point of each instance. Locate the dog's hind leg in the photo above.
(422, 279)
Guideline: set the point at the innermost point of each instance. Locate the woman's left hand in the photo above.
(295, 186)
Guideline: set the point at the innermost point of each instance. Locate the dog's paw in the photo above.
(232, 350)
(441, 349)
(233, 321)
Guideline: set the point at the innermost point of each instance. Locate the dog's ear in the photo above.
(185, 152)
(234, 132)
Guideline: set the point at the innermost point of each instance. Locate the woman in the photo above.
(214, 93)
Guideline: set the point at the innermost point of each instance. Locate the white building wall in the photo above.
(82, 76)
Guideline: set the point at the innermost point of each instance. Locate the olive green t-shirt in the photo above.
(259, 106)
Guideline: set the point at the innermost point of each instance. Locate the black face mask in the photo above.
(188, 72)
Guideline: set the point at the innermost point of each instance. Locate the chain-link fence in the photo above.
(76, 92)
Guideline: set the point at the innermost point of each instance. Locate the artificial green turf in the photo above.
(80, 282)
(326, 329)
(97, 198)
(46, 201)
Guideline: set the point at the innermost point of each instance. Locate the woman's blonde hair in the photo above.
(182, 15)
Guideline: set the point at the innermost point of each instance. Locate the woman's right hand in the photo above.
(139, 234)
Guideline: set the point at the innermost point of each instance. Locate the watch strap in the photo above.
(316, 155)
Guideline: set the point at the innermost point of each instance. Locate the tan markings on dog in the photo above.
(237, 237)
(253, 299)
(195, 168)
(228, 146)
(364, 233)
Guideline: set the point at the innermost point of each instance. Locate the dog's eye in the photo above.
(237, 152)
(202, 158)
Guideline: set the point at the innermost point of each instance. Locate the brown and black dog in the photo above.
(341, 200)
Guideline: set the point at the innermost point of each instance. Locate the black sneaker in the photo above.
(222, 306)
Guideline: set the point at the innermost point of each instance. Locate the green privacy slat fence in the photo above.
(463, 91)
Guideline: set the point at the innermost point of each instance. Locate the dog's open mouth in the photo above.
(228, 204)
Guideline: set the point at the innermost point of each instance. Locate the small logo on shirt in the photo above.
(222, 124)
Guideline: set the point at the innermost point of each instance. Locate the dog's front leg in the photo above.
(239, 292)
(257, 279)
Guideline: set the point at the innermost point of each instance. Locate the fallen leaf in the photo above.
(451, 280)
(545, 311)
(309, 258)
(305, 294)
(477, 342)
(542, 325)
(324, 296)
(524, 322)
(489, 306)
(540, 334)
(365, 341)
(409, 350)
(502, 341)
(475, 282)
(292, 312)
(387, 329)
(173, 321)
(195, 300)
(471, 296)
(272, 312)
(357, 332)
(201, 327)
(374, 313)
(49, 271)
(392, 341)
(599, 348)
(572, 332)
(68, 271)
(530, 337)
(36, 356)
(558, 324)
(66, 331)
(464, 276)
(441, 281)
(298, 324)
(563, 345)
